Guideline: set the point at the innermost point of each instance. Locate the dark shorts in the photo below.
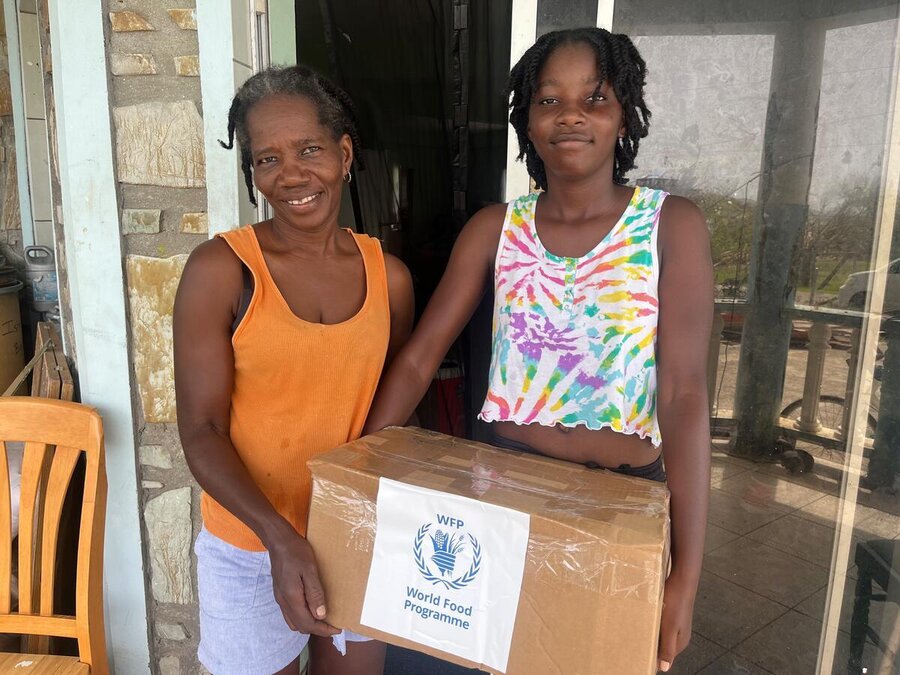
(653, 471)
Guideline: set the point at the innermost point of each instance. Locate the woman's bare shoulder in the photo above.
(212, 273)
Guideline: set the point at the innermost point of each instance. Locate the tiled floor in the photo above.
(766, 572)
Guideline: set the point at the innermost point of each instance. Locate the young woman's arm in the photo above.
(685, 321)
(402, 303)
(448, 311)
(204, 378)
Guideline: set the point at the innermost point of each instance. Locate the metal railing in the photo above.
(819, 326)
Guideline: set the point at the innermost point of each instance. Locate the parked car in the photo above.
(853, 294)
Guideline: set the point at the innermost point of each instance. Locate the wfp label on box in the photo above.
(446, 572)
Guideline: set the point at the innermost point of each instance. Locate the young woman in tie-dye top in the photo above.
(603, 299)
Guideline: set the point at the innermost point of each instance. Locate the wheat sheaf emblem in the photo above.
(447, 547)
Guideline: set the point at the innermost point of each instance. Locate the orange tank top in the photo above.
(300, 388)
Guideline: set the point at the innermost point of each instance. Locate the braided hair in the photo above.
(618, 61)
(336, 110)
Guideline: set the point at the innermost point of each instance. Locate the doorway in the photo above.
(427, 78)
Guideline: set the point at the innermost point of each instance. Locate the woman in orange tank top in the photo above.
(282, 330)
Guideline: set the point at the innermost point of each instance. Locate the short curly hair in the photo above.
(336, 110)
(618, 61)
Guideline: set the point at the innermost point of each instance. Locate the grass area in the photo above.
(723, 274)
(825, 265)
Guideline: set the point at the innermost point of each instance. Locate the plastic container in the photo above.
(40, 275)
(53, 315)
(12, 351)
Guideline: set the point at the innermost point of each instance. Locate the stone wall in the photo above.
(11, 247)
(156, 111)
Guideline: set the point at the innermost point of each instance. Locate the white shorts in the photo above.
(242, 629)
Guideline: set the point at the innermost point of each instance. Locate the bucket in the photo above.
(12, 351)
(8, 274)
(40, 274)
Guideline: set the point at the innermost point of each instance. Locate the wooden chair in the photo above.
(56, 435)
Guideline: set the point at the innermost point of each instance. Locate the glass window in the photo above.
(558, 14)
(777, 119)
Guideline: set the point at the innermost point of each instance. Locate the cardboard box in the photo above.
(590, 576)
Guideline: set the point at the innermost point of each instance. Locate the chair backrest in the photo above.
(56, 435)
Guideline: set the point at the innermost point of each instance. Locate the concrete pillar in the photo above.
(788, 151)
(90, 216)
(819, 335)
(524, 30)
(885, 460)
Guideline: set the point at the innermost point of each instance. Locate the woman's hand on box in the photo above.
(677, 616)
(298, 590)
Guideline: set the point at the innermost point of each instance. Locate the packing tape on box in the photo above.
(585, 559)
(485, 472)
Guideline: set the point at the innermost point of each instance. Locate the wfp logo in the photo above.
(442, 549)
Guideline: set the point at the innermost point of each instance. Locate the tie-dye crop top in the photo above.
(574, 339)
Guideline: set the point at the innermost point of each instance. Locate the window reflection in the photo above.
(774, 117)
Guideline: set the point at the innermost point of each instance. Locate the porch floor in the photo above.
(765, 575)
